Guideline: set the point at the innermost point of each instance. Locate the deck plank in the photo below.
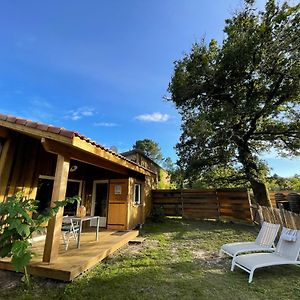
(73, 262)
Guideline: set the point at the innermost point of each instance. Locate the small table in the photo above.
(81, 220)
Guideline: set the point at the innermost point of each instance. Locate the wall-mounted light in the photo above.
(73, 168)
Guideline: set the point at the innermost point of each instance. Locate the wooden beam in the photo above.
(54, 225)
(6, 162)
(77, 154)
(90, 148)
(35, 132)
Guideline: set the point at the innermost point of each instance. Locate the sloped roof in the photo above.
(59, 132)
(134, 151)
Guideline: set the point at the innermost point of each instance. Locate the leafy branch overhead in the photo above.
(242, 97)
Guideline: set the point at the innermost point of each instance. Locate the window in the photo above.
(137, 194)
(44, 194)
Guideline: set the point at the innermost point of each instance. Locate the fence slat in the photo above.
(204, 203)
(279, 216)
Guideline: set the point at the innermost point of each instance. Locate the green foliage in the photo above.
(150, 149)
(221, 177)
(277, 183)
(17, 226)
(168, 164)
(164, 180)
(158, 214)
(224, 176)
(242, 97)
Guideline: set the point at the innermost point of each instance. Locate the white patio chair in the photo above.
(286, 253)
(69, 229)
(264, 242)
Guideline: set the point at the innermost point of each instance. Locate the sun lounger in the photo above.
(264, 242)
(286, 253)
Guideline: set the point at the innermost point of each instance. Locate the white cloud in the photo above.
(105, 124)
(79, 113)
(155, 117)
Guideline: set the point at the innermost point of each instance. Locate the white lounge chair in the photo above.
(286, 253)
(264, 242)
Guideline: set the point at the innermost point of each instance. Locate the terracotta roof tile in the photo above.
(20, 121)
(66, 133)
(31, 124)
(3, 117)
(42, 127)
(54, 129)
(11, 119)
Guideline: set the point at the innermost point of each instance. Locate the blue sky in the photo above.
(103, 67)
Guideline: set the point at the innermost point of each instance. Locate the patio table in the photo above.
(81, 220)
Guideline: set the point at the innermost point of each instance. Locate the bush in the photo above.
(17, 227)
(158, 214)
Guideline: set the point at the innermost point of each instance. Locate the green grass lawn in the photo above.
(179, 260)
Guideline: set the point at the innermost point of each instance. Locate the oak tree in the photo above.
(240, 98)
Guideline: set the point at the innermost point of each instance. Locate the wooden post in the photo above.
(219, 204)
(6, 162)
(182, 203)
(58, 193)
(250, 206)
(282, 214)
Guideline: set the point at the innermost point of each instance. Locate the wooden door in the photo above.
(118, 204)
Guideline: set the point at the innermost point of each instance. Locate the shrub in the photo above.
(158, 214)
(17, 227)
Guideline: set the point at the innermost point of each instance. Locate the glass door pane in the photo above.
(73, 189)
(100, 203)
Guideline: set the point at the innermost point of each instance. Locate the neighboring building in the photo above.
(49, 163)
(138, 156)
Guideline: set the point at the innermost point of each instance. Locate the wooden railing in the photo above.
(204, 203)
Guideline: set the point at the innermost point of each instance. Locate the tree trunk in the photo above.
(252, 172)
(261, 194)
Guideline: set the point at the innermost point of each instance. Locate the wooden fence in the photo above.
(279, 216)
(273, 199)
(204, 203)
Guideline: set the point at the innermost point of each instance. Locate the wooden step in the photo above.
(137, 240)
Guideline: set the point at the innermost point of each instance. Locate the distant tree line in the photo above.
(278, 183)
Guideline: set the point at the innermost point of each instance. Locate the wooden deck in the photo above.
(73, 262)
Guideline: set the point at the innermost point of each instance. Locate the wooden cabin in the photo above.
(50, 163)
(163, 180)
